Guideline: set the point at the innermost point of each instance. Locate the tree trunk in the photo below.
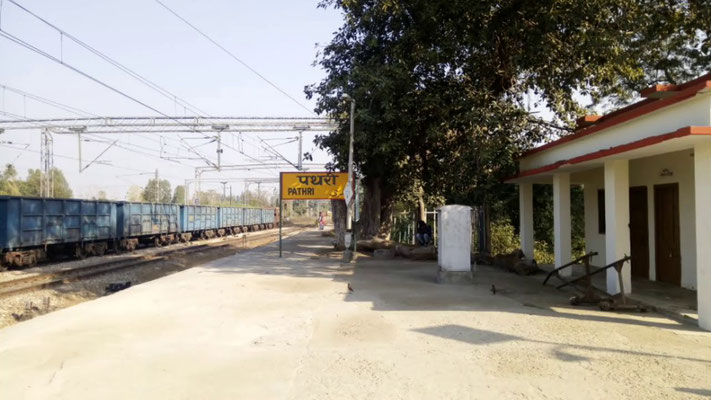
(386, 217)
(421, 210)
(376, 216)
(338, 210)
(370, 217)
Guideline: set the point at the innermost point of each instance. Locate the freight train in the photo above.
(36, 229)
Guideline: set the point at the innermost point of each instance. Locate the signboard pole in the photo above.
(355, 221)
(281, 211)
(326, 185)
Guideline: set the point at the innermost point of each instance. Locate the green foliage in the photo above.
(543, 252)
(504, 239)
(441, 87)
(134, 193)
(157, 191)
(61, 186)
(179, 195)
(11, 185)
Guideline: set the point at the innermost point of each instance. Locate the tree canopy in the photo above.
(12, 185)
(157, 191)
(179, 194)
(446, 92)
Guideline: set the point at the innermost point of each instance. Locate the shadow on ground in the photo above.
(404, 285)
(481, 337)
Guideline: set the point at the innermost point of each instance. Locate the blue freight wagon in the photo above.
(199, 221)
(156, 223)
(232, 219)
(268, 217)
(32, 229)
(253, 218)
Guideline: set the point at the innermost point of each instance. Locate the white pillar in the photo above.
(592, 226)
(702, 189)
(617, 219)
(561, 221)
(525, 204)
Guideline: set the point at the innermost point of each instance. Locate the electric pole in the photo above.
(157, 186)
(47, 161)
(300, 154)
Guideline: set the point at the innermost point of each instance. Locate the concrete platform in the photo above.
(253, 326)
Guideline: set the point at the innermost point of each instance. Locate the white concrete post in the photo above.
(454, 243)
(525, 202)
(617, 219)
(561, 222)
(702, 190)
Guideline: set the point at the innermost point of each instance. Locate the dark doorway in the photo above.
(666, 227)
(639, 232)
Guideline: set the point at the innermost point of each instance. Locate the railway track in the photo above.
(24, 284)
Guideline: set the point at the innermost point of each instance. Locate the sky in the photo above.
(279, 39)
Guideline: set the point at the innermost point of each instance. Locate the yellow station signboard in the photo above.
(313, 185)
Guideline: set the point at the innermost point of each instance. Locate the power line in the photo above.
(106, 58)
(164, 92)
(232, 55)
(21, 42)
(167, 94)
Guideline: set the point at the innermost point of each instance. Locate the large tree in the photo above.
(9, 183)
(32, 185)
(179, 195)
(157, 191)
(134, 193)
(441, 88)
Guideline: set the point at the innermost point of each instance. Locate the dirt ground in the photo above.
(256, 326)
(25, 306)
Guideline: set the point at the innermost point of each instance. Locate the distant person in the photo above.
(321, 221)
(423, 234)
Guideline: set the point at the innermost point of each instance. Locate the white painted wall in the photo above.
(646, 172)
(695, 111)
(594, 240)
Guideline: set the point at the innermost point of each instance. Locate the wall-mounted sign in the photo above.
(313, 185)
(666, 173)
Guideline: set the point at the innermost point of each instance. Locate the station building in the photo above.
(646, 175)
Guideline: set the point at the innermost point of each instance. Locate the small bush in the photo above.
(503, 238)
(543, 253)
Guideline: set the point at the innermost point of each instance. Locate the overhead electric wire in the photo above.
(21, 42)
(113, 62)
(164, 92)
(135, 75)
(232, 55)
